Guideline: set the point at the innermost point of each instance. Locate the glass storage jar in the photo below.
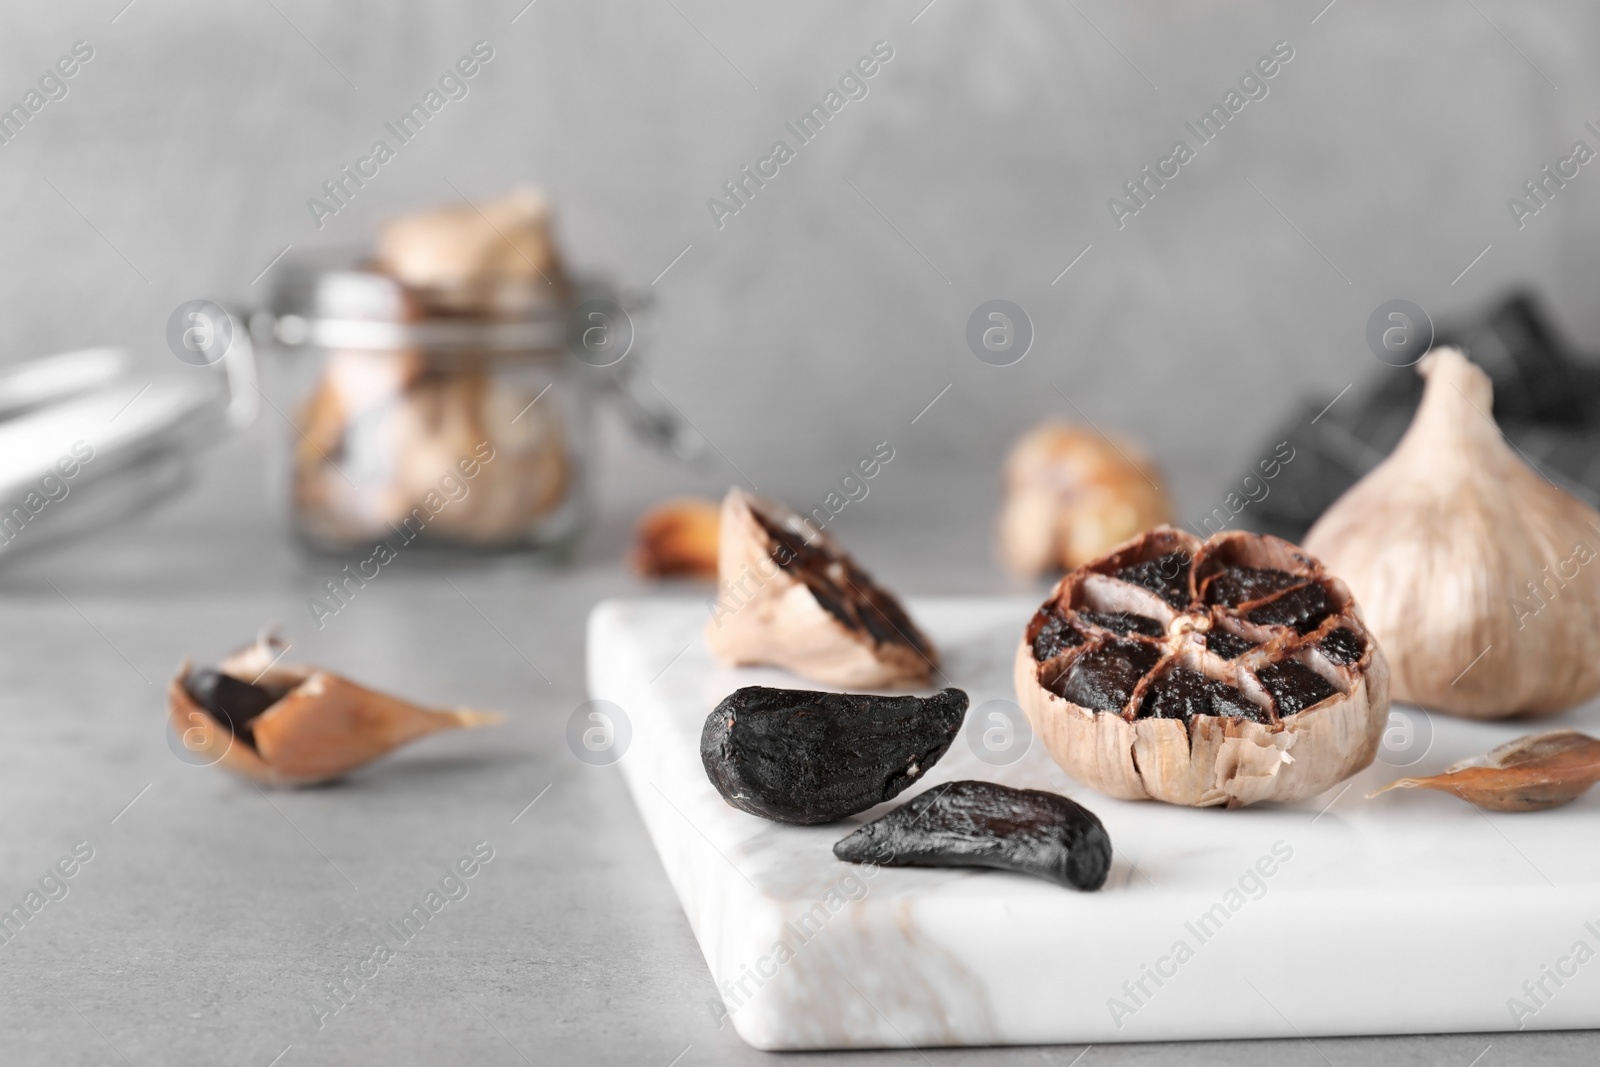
(461, 431)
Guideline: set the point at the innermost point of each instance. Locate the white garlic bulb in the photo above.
(1476, 574)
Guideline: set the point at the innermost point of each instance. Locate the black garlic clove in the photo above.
(231, 701)
(799, 756)
(981, 824)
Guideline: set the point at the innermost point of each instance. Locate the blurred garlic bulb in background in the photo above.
(1477, 576)
(491, 258)
(1072, 494)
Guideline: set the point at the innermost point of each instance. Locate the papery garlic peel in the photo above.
(1478, 577)
(789, 596)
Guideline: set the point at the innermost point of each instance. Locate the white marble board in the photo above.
(1410, 913)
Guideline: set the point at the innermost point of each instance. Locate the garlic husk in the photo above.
(767, 612)
(1476, 575)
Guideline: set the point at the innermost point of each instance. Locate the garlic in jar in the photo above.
(1477, 576)
(1073, 494)
(494, 258)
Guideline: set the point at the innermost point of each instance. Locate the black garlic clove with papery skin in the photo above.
(1532, 773)
(981, 824)
(233, 702)
(797, 756)
(290, 724)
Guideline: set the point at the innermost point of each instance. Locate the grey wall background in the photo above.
(808, 328)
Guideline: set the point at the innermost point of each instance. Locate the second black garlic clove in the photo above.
(981, 824)
(798, 756)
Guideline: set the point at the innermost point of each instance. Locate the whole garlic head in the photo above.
(1477, 576)
(1071, 495)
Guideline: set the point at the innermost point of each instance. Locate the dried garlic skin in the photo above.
(1532, 773)
(1257, 680)
(677, 538)
(315, 726)
(1458, 550)
(790, 596)
(1071, 495)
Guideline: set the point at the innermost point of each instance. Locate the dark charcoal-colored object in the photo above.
(1124, 622)
(1182, 694)
(1342, 646)
(799, 756)
(981, 824)
(1302, 608)
(1546, 399)
(233, 703)
(1056, 635)
(1227, 645)
(1294, 686)
(844, 590)
(1102, 679)
(1166, 576)
(1236, 585)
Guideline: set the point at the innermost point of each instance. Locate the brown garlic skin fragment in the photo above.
(1457, 549)
(1532, 773)
(321, 727)
(677, 539)
(1280, 752)
(789, 596)
(1072, 495)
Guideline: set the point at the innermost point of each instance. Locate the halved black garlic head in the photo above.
(790, 596)
(797, 756)
(289, 724)
(1228, 671)
(981, 824)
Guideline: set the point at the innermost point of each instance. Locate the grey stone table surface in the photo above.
(210, 915)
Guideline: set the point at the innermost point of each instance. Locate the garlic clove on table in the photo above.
(677, 539)
(1532, 773)
(291, 725)
(1476, 574)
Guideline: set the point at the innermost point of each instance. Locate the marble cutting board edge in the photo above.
(1412, 913)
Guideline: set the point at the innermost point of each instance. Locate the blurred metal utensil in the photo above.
(83, 423)
(53, 378)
